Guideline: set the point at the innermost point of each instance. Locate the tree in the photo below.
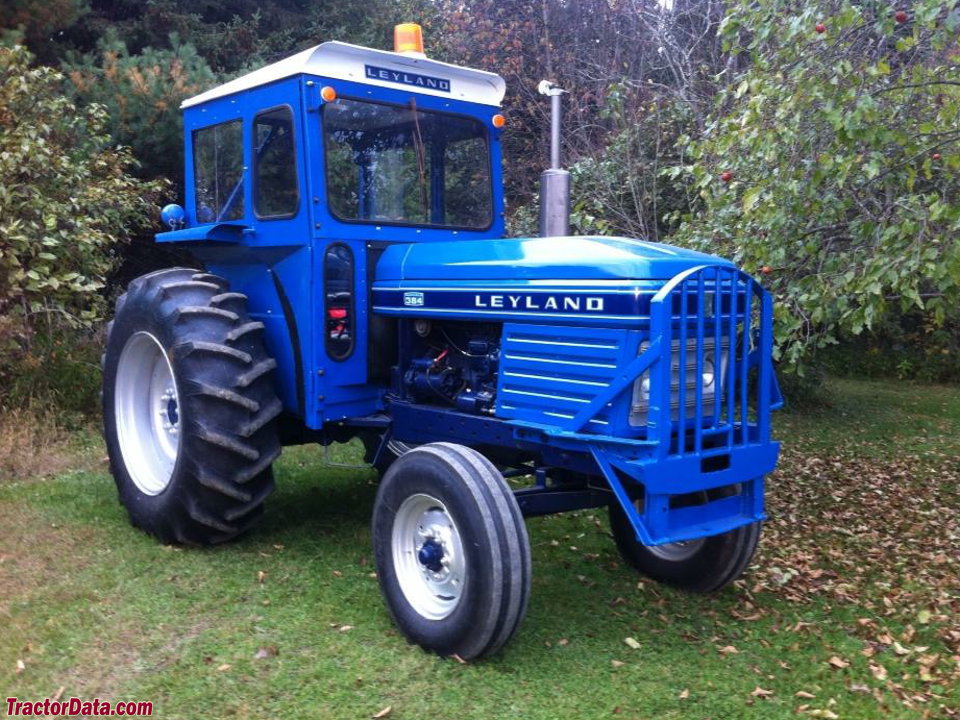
(829, 164)
(142, 94)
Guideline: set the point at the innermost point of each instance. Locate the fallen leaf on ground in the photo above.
(224, 667)
(761, 693)
(838, 662)
(617, 663)
(804, 694)
(261, 576)
(684, 694)
(20, 666)
(383, 713)
(826, 714)
(631, 642)
(728, 650)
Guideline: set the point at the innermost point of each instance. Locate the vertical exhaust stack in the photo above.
(555, 182)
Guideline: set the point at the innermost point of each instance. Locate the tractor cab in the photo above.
(377, 140)
(302, 173)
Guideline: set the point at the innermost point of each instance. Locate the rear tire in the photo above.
(189, 408)
(703, 565)
(452, 552)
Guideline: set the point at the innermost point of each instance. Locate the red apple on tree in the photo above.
(901, 16)
(936, 156)
(726, 176)
(820, 28)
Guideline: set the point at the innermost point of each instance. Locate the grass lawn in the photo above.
(851, 609)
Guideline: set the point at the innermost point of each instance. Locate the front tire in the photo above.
(189, 408)
(703, 565)
(452, 552)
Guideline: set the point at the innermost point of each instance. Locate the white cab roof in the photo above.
(342, 61)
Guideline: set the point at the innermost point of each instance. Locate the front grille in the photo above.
(709, 379)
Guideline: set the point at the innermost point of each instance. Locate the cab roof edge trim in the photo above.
(343, 61)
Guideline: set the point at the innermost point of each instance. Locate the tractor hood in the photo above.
(550, 258)
(602, 281)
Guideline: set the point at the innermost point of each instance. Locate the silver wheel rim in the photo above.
(428, 556)
(678, 551)
(147, 411)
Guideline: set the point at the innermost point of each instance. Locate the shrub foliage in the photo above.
(66, 203)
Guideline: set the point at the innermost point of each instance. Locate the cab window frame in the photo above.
(239, 190)
(490, 180)
(255, 175)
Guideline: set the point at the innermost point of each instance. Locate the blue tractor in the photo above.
(346, 205)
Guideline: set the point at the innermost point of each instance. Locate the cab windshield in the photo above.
(389, 164)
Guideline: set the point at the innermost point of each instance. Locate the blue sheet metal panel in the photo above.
(596, 303)
(252, 273)
(548, 373)
(342, 389)
(517, 259)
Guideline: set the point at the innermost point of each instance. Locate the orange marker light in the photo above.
(408, 39)
(498, 120)
(328, 93)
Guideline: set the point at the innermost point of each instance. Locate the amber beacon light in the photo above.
(408, 39)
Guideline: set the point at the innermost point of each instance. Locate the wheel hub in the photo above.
(168, 410)
(430, 555)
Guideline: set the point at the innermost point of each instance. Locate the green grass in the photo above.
(858, 564)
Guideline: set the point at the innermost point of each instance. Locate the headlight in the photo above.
(709, 368)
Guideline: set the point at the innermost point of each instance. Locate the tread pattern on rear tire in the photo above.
(227, 403)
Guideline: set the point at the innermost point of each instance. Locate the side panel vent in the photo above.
(549, 373)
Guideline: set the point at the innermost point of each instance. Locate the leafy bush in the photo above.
(66, 204)
(830, 164)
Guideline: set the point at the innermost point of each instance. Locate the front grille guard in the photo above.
(689, 452)
(729, 307)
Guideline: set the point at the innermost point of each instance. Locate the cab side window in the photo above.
(275, 163)
(218, 172)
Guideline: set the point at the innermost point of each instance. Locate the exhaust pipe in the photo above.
(555, 182)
